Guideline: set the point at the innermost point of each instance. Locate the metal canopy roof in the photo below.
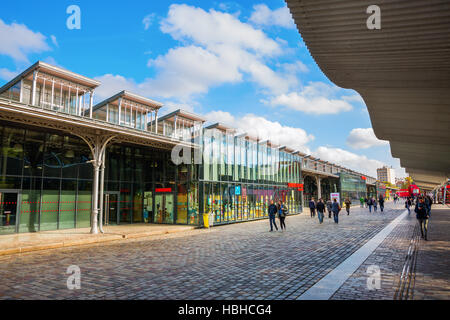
(55, 71)
(151, 104)
(182, 114)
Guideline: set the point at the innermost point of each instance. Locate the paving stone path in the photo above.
(239, 261)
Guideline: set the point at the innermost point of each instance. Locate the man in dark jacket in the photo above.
(428, 202)
(312, 207)
(381, 202)
(320, 210)
(422, 216)
(336, 208)
(272, 214)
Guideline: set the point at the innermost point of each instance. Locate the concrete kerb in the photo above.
(89, 241)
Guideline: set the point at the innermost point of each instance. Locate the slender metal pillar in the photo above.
(319, 187)
(102, 185)
(91, 103)
(120, 110)
(33, 90)
(21, 91)
(94, 216)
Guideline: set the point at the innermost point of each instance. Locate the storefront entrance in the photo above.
(111, 205)
(9, 205)
(164, 208)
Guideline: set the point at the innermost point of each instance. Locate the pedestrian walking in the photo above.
(336, 208)
(374, 203)
(381, 202)
(408, 205)
(272, 210)
(361, 200)
(347, 205)
(320, 210)
(282, 213)
(422, 217)
(312, 207)
(329, 205)
(428, 202)
(365, 201)
(369, 204)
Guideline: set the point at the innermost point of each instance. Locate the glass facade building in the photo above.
(352, 187)
(240, 175)
(52, 154)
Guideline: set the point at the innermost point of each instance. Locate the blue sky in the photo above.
(243, 63)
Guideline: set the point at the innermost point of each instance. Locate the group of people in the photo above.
(372, 202)
(422, 210)
(333, 207)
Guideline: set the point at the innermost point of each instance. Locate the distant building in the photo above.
(386, 174)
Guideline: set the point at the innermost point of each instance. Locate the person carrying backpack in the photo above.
(422, 216)
(381, 202)
(369, 204)
(329, 205)
(320, 210)
(312, 207)
(282, 213)
(272, 210)
(347, 205)
(408, 205)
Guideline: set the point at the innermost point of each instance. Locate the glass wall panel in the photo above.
(50, 204)
(30, 204)
(84, 204)
(68, 204)
(138, 200)
(126, 203)
(12, 152)
(182, 203)
(52, 156)
(33, 153)
(193, 202)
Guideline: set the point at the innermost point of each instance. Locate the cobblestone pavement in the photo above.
(432, 272)
(389, 257)
(239, 261)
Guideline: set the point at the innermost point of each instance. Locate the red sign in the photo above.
(163, 190)
(295, 185)
(364, 178)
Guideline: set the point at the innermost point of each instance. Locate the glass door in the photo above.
(9, 203)
(110, 207)
(164, 208)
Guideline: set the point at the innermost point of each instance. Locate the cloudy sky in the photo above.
(242, 63)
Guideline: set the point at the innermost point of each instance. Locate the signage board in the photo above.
(336, 196)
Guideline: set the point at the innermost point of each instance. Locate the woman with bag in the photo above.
(282, 213)
(336, 208)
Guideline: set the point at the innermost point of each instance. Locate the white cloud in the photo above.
(54, 41)
(148, 20)
(212, 29)
(260, 127)
(217, 48)
(316, 98)
(112, 84)
(360, 138)
(17, 41)
(263, 16)
(349, 160)
(354, 98)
